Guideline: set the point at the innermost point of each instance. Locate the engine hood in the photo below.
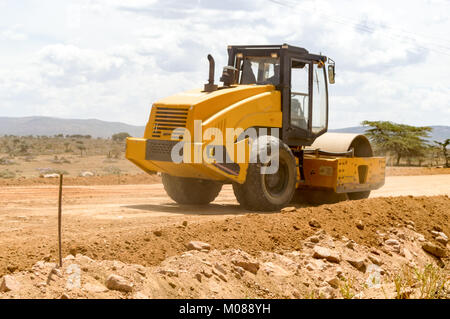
(205, 104)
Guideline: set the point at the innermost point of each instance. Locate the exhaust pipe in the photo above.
(210, 86)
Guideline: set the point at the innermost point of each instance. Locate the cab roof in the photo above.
(267, 50)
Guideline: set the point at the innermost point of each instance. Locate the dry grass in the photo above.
(35, 156)
(347, 288)
(432, 282)
(427, 283)
(14, 146)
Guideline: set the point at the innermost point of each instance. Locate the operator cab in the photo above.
(297, 74)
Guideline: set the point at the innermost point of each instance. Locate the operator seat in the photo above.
(248, 77)
(297, 115)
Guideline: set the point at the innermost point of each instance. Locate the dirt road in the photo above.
(102, 220)
(128, 201)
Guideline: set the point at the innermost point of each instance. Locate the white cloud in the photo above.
(13, 33)
(112, 59)
(68, 65)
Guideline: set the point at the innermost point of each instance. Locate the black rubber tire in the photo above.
(358, 195)
(190, 191)
(255, 194)
(239, 192)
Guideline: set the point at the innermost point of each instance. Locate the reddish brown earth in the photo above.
(139, 224)
(248, 256)
(325, 267)
(414, 171)
(124, 179)
(143, 178)
(118, 221)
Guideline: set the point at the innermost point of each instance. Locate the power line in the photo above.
(368, 29)
(359, 27)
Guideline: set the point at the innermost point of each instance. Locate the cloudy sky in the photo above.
(110, 59)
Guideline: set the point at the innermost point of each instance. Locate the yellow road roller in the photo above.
(264, 131)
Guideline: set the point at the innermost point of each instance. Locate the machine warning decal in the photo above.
(326, 170)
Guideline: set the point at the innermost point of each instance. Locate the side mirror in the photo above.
(331, 73)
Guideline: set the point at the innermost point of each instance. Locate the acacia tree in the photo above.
(400, 139)
(443, 147)
(67, 147)
(120, 137)
(81, 147)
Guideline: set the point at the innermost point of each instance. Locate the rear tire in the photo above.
(358, 195)
(268, 192)
(190, 191)
(239, 192)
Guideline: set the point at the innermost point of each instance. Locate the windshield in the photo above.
(260, 70)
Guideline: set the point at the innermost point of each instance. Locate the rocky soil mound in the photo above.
(149, 244)
(403, 264)
(275, 232)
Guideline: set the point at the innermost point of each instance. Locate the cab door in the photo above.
(305, 102)
(296, 100)
(300, 97)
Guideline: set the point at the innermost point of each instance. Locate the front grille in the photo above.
(168, 119)
(159, 150)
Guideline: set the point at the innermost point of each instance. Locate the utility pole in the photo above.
(59, 218)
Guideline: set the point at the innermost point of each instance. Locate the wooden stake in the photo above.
(59, 218)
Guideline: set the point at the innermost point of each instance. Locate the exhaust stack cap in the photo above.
(210, 86)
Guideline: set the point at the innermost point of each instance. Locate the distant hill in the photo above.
(39, 125)
(439, 133)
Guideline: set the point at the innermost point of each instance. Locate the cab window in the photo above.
(299, 94)
(260, 70)
(319, 108)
